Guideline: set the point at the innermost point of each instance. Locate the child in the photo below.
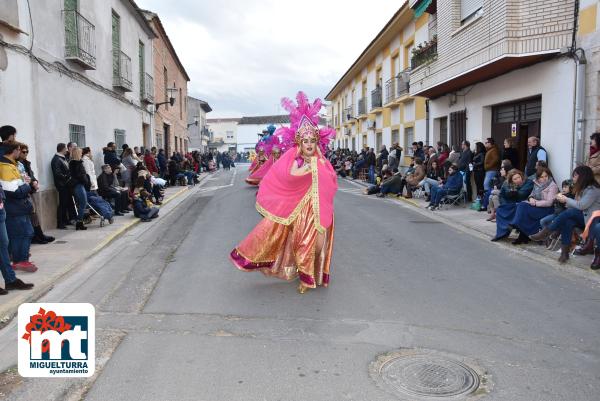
(143, 207)
(567, 190)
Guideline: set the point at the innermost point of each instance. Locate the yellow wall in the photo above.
(587, 19)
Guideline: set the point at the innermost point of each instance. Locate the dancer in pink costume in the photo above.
(273, 151)
(295, 237)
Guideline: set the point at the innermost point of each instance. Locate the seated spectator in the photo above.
(391, 184)
(515, 189)
(451, 186)
(567, 190)
(413, 179)
(538, 164)
(492, 201)
(142, 207)
(109, 189)
(579, 210)
(18, 208)
(539, 205)
(434, 178)
(444, 154)
(150, 162)
(375, 188)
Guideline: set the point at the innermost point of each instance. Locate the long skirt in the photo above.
(288, 251)
(504, 216)
(527, 218)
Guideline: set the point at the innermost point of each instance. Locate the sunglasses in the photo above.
(24, 151)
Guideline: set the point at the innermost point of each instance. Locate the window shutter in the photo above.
(468, 7)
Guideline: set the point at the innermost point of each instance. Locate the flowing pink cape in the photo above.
(262, 170)
(253, 164)
(281, 195)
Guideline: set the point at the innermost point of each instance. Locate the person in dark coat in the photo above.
(141, 208)
(110, 154)
(516, 188)
(510, 153)
(62, 182)
(108, 188)
(162, 163)
(465, 159)
(451, 186)
(81, 184)
(478, 167)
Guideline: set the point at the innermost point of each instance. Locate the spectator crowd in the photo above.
(528, 202)
(129, 180)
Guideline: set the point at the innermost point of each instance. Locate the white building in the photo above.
(197, 126)
(249, 129)
(77, 72)
(223, 133)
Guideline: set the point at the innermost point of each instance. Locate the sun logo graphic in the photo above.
(56, 340)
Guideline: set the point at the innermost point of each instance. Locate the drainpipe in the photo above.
(427, 121)
(579, 116)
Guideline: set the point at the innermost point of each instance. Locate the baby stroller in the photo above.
(90, 213)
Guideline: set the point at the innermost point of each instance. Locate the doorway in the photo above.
(166, 140)
(518, 121)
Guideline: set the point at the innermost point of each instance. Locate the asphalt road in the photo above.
(176, 321)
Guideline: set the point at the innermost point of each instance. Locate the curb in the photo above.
(8, 310)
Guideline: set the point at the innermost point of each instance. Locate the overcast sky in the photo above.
(243, 56)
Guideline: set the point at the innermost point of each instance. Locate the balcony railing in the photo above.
(80, 43)
(396, 87)
(147, 88)
(347, 114)
(403, 83)
(362, 106)
(205, 132)
(424, 55)
(375, 98)
(122, 71)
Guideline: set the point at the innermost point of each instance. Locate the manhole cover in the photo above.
(426, 375)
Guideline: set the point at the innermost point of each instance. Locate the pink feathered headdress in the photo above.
(304, 120)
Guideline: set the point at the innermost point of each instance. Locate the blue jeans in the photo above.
(20, 233)
(372, 174)
(7, 271)
(487, 181)
(566, 223)
(81, 200)
(429, 183)
(546, 221)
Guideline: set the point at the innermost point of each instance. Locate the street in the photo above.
(176, 321)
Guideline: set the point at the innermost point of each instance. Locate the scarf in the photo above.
(539, 188)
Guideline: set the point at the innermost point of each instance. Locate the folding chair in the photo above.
(455, 199)
(88, 216)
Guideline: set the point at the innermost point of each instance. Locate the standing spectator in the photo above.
(478, 168)
(81, 184)
(110, 154)
(454, 155)
(129, 162)
(18, 208)
(39, 236)
(510, 153)
(90, 170)
(162, 163)
(594, 158)
(70, 147)
(370, 163)
(534, 153)
(8, 133)
(137, 154)
(8, 274)
(465, 159)
(150, 162)
(62, 182)
(491, 163)
(418, 151)
(383, 156)
(443, 156)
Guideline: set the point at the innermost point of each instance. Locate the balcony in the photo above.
(397, 87)
(362, 106)
(122, 71)
(376, 98)
(347, 117)
(147, 88)
(424, 54)
(80, 44)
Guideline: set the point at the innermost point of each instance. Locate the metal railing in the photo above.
(80, 43)
(424, 56)
(362, 106)
(122, 71)
(375, 98)
(403, 83)
(396, 87)
(147, 88)
(347, 114)
(390, 90)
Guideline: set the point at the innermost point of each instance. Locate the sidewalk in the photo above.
(70, 249)
(474, 223)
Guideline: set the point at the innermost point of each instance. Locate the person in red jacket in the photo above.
(150, 162)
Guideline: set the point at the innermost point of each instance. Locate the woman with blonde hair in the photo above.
(81, 184)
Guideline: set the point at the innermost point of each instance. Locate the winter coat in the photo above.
(492, 159)
(60, 171)
(16, 191)
(78, 174)
(417, 176)
(548, 195)
(466, 156)
(588, 202)
(90, 170)
(510, 194)
(478, 161)
(594, 164)
(111, 158)
(150, 163)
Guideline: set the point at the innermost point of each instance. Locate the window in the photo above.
(116, 42)
(229, 134)
(119, 140)
(159, 139)
(378, 141)
(409, 138)
(395, 136)
(470, 9)
(458, 127)
(176, 145)
(77, 135)
(142, 59)
(180, 105)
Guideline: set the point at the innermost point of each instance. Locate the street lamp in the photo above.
(171, 100)
(196, 119)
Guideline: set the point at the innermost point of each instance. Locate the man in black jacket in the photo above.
(108, 188)
(62, 182)
(466, 156)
